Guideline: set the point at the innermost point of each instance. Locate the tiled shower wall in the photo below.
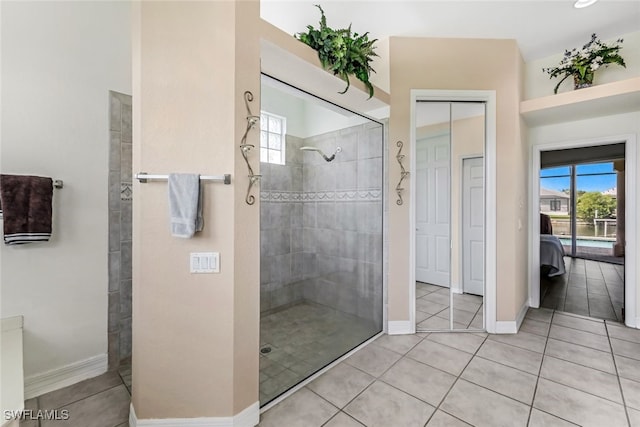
(335, 224)
(120, 219)
(281, 267)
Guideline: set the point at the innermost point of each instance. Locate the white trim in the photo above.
(631, 224)
(489, 97)
(631, 216)
(521, 314)
(55, 379)
(282, 134)
(11, 323)
(400, 327)
(506, 327)
(512, 326)
(303, 383)
(249, 417)
(458, 288)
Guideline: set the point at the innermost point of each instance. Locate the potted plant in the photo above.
(342, 52)
(582, 64)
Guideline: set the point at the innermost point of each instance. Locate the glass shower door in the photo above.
(321, 235)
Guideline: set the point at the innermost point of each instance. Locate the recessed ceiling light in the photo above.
(579, 4)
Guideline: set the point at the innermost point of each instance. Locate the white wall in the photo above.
(538, 84)
(306, 115)
(11, 368)
(276, 102)
(319, 119)
(59, 61)
(380, 64)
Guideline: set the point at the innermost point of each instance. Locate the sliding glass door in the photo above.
(579, 201)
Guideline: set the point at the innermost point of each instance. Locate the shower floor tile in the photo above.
(302, 339)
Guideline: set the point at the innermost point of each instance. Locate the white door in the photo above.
(473, 226)
(433, 246)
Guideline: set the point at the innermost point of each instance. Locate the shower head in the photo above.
(324, 156)
(310, 149)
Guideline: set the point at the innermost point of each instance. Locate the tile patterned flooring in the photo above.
(589, 288)
(102, 401)
(432, 309)
(303, 339)
(559, 370)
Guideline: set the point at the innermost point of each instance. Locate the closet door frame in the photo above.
(489, 98)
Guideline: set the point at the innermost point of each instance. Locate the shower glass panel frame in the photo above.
(321, 238)
(450, 146)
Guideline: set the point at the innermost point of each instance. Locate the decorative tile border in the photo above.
(126, 191)
(370, 195)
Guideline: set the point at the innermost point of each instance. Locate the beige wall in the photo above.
(538, 83)
(195, 337)
(418, 63)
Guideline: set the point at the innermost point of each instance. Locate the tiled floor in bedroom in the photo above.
(559, 370)
(589, 288)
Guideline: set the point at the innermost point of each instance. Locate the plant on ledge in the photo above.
(342, 52)
(582, 64)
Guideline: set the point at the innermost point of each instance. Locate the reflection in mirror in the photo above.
(432, 171)
(467, 214)
(449, 214)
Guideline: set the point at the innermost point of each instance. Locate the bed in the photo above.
(551, 255)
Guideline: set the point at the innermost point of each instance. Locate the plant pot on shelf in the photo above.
(580, 82)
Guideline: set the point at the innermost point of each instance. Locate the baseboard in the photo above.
(521, 314)
(400, 327)
(249, 417)
(512, 326)
(506, 327)
(11, 323)
(55, 379)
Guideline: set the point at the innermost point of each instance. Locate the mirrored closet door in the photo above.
(449, 215)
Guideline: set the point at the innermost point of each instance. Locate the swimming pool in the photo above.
(566, 241)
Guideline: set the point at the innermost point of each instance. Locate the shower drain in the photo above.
(265, 350)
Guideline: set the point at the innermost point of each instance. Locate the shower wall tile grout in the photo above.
(322, 235)
(120, 196)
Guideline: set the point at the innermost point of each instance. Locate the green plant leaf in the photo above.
(341, 51)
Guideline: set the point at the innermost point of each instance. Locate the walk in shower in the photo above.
(321, 242)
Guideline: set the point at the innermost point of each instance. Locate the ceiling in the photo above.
(541, 27)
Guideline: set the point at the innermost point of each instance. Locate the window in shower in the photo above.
(321, 238)
(272, 137)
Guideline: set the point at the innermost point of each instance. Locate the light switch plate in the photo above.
(204, 262)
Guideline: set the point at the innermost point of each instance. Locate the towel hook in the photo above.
(245, 148)
(403, 173)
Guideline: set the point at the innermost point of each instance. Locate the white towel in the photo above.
(185, 204)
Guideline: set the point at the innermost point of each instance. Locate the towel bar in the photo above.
(144, 177)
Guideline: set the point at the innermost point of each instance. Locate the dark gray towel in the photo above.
(185, 204)
(26, 205)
